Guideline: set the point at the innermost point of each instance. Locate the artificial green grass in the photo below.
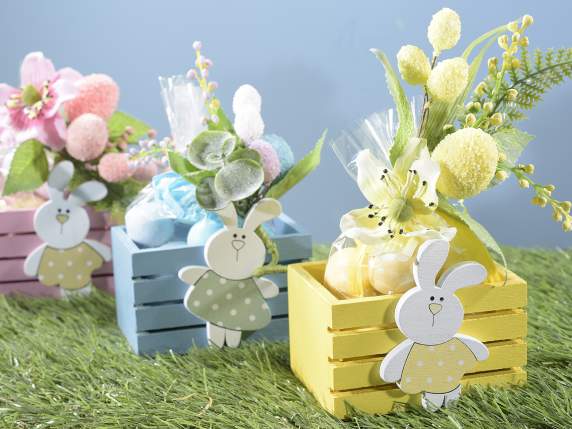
(66, 365)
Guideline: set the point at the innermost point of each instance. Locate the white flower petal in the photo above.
(249, 125)
(246, 96)
(36, 69)
(370, 170)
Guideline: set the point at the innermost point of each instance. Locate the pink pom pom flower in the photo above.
(97, 94)
(87, 137)
(145, 172)
(114, 167)
(269, 158)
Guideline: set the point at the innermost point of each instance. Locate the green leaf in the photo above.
(208, 150)
(512, 142)
(179, 164)
(461, 213)
(29, 168)
(223, 123)
(300, 170)
(119, 121)
(239, 179)
(244, 153)
(406, 128)
(207, 196)
(196, 177)
(488, 35)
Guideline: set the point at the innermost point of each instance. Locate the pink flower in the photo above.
(33, 110)
(114, 167)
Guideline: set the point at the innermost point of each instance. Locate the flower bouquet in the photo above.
(58, 115)
(416, 171)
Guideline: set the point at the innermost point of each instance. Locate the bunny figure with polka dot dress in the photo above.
(67, 258)
(226, 294)
(434, 358)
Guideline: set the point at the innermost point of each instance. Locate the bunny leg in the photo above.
(452, 396)
(215, 335)
(233, 338)
(432, 401)
(70, 293)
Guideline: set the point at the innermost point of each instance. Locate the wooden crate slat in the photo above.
(496, 326)
(171, 288)
(362, 373)
(181, 340)
(164, 316)
(382, 399)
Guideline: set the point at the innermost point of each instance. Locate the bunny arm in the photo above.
(191, 273)
(100, 248)
(480, 351)
(268, 288)
(392, 365)
(32, 262)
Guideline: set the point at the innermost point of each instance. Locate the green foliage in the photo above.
(119, 121)
(405, 129)
(29, 168)
(512, 142)
(302, 168)
(179, 164)
(209, 149)
(239, 179)
(534, 78)
(223, 123)
(65, 364)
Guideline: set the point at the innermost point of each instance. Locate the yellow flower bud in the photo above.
(523, 183)
(444, 31)
(448, 79)
(542, 202)
(515, 63)
(512, 26)
(535, 201)
(492, 65)
(515, 37)
(524, 41)
(550, 188)
(501, 175)
(480, 89)
(502, 157)
(567, 226)
(503, 41)
(529, 168)
(511, 94)
(477, 106)
(566, 206)
(527, 21)
(413, 65)
(488, 106)
(470, 119)
(215, 103)
(557, 216)
(496, 119)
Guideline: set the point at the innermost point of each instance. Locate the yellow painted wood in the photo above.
(381, 400)
(495, 326)
(360, 373)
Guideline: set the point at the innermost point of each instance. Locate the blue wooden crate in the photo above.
(149, 295)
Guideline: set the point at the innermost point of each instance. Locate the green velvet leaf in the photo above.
(29, 168)
(405, 129)
(239, 179)
(300, 170)
(512, 142)
(207, 196)
(179, 164)
(196, 177)
(244, 153)
(119, 121)
(208, 150)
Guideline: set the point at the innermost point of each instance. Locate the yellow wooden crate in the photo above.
(337, 345)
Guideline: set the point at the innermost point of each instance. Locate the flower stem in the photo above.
(269, 244)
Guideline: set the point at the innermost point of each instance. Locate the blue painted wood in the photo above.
(171, 288)
(181, 340)
(164, 316)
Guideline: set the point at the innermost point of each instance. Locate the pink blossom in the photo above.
(33, 110)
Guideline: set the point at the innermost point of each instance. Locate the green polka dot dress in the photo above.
(231, 304)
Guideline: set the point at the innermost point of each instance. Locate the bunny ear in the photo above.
(228, 215)
(430, 258)
(262, 211)
(59, 178)
(462, 275)
(88, 191)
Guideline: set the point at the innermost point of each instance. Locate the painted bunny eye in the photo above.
(441, 299)
(234, 235)
(243, 236)
(432, 298)
(68, 210)
(59, 210)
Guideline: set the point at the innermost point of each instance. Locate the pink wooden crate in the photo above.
(18, 239)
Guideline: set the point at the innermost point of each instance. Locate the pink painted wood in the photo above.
(34, 288)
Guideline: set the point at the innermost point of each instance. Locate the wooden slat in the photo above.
(164, 316)
(496, 326)
(381, 400)
(22, 221)
(12, 270)
(363, 373)
(181, 340)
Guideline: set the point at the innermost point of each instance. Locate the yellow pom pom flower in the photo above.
(448, 79)
(413, 65)
(468, 161)
(444, 30)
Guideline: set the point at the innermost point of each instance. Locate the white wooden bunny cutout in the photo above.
(434, 358)
(225, 294)
(66, 258)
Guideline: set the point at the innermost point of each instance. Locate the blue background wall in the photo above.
(310, 61)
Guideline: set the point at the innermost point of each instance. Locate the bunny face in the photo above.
(233, 252)
(431, 313)
(62, 222)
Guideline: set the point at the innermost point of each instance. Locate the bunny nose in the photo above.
(435, 308)
(237, 244)
(62, 218)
